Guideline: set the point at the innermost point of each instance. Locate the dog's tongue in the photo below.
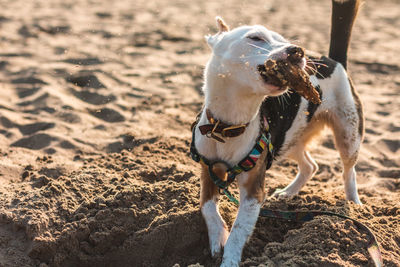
(288, 73)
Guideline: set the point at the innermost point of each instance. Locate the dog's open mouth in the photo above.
(273, 77)
(287, 73)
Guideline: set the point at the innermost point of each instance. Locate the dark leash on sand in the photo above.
(264, 143)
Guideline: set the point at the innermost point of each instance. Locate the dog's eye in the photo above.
(255, 38)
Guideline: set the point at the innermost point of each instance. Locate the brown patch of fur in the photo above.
(315, 127)
(359, 108)
(319, 122)
(255, 184)
(208, 189)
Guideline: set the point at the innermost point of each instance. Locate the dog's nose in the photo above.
(295, 54)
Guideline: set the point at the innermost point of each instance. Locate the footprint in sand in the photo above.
(84, 61)
(28, 80)
(93, 97)
(6, 133)
(390, 173)
(40, 101)
(26, 129)
(393, 128)
(52, 29)
(383, 113)
(3, 64)
(103, 15)
(6, 122)
(371, 131)
(85, 80)
(107, 114)
(69, 117)
(26, 32)
(35, 142)
(35, 127)
(392, 144)
(23, 92)
(66, 144)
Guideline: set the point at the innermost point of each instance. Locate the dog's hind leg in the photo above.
(350, 182)
(217, 229)
(307, 168)
(347, 124)
(348, 142)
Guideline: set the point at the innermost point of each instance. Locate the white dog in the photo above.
(240, 98)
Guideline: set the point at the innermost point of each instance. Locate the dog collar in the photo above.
(222, 128)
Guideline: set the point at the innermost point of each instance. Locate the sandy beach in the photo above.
(96, 102)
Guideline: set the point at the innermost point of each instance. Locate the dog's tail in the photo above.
(344, 13)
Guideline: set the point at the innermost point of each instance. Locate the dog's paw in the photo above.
(218, 243)
(216, 251)
(227, 262)
(354, 198)
(283, 194)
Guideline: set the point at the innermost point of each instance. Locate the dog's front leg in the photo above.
(252, 195)
(241, 230)
(217, 229)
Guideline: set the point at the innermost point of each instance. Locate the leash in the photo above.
(249, 162)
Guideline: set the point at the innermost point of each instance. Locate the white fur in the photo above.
(241, 230)
(307, 168)
(217, 231)
(234, 91)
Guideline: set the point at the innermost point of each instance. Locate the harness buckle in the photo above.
(221, 183)
(211, 134)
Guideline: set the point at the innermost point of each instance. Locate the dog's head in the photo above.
(239, 55)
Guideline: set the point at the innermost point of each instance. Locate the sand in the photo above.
(96, 102)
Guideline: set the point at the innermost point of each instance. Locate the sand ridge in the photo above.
(96, 102)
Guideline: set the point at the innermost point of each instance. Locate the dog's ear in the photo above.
(222, 26)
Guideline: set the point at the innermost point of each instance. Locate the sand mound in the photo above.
(95, 110)
(114, 210)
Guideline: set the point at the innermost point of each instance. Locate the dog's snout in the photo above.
(295, 54)
(295, 50)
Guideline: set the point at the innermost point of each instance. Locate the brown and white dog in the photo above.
(237, 93)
